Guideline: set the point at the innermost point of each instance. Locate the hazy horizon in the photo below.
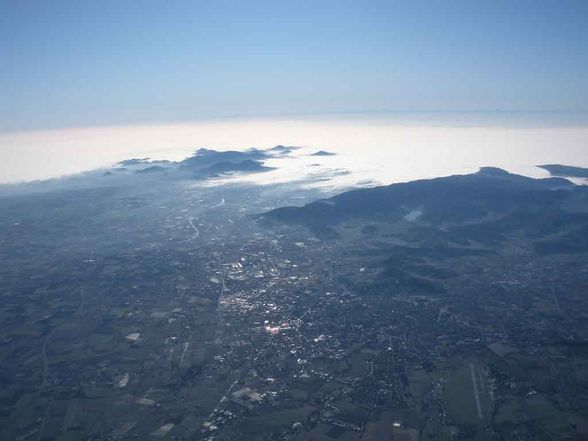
(87, 84)
(363, 143)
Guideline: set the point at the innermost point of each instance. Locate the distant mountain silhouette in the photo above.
(207, 163)
(323, 153)
(453, 198)
(565, 170)
(210, 162)
(282, 149)
(152, 169)
(413, 231)
(134, 161)
(205, 157)
(247, 166)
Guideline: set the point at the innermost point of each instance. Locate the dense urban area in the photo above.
(141, 304)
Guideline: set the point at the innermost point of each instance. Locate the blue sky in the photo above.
(76, 63)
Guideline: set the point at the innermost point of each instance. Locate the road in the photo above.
(220, 204)
(196, 230)
(220, 298)
(476, 394)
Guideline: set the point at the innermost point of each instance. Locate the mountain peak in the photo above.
(493, 171)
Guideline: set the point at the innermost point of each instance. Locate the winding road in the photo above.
(196, 230)
(220, 204)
